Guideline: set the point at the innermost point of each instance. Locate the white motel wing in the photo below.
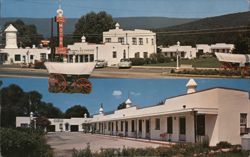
(233, 58)
(70, 68)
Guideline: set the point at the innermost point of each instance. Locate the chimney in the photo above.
(191, 86)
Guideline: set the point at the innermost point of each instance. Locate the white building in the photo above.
(190, 52)
(117, 44)
(203, 48)
(222, 48)
(12, 54)
(183, 51)
(215, 114)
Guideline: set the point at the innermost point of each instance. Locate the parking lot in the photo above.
(64, 142)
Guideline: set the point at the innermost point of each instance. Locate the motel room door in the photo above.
(182, 129)
(147, 125)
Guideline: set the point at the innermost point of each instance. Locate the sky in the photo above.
(123, 8)
(112, 92)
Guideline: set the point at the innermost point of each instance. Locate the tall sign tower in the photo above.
(60, 50)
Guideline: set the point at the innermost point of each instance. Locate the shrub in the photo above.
(16, 143)
(39, 65)
(137, 61)
(223, 144)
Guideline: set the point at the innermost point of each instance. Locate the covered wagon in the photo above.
(70, 77)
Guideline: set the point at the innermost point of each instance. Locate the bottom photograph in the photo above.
(126, 117)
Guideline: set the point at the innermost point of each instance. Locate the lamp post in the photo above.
(177, 55)
(31, 118)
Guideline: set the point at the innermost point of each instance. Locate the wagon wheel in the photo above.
(58, 82)
(84, 85)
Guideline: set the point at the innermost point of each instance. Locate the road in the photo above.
(64, 142)
(110, 72)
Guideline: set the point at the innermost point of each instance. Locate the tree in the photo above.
(15, 102)
(93, 25)
(42, 122)
(121, 106)
(242, 44)
(27, 35)
(76, 111)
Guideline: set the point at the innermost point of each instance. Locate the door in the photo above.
(147, 128)
(74, 128)
(182, 129)
(51, 128)
(126, 128)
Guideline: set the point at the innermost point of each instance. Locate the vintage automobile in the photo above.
(101, 63)
(125, 63)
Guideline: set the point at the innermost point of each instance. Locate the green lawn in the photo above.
(198, 63)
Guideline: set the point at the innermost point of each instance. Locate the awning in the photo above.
(213, 111)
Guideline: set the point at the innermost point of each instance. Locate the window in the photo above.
(243, 119)
(146, 40)
(145, 54)
(170, 125)
(200, 125)
(24, 125)
(86, 58)
(132, 126)
(182, 54)
(91, 57)
(137, 55)
(114, 54)
(121, 125)
(42, 56)
(152, 41)
(140, 41)
(134, 41)
(140, 125)
(121, 40)
(31, 57)
(243, 124)
(108, 40)
(112, 126)
(17, 57)
(157, 124)
(124, 54)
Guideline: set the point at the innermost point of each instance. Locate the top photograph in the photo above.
(125, 39)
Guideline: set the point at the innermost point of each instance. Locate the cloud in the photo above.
(117, 93)
(135, 93)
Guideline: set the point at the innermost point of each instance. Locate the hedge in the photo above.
(23, 143)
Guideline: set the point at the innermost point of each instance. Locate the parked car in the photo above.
(125, 63)
(101, 64)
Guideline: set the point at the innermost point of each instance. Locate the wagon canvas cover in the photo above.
(233, 58)
(70, 68)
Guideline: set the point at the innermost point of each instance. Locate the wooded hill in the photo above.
(225, 28)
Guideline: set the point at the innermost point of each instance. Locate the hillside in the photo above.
(43, 24)
(224, 21)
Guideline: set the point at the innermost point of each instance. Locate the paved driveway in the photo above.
(64, 142)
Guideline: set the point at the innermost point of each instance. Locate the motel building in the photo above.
(215, 114)
(117, 44)
(11, 54)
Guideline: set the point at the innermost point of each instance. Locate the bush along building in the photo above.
(213, 115)
(11, 54)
